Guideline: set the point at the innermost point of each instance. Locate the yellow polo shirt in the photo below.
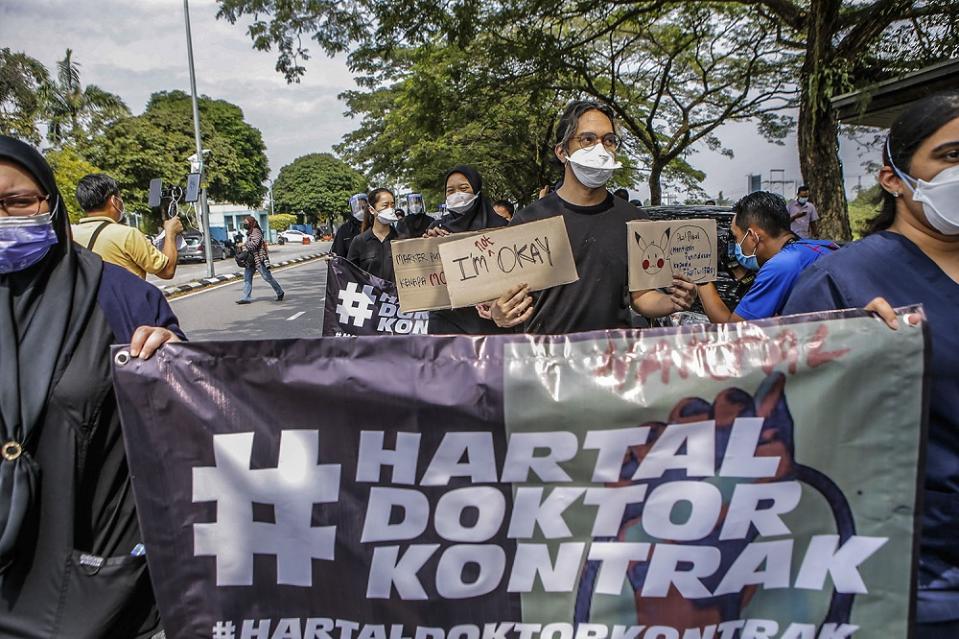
(121, 245)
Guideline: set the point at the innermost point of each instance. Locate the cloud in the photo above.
(134, 49)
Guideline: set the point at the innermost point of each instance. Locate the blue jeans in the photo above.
(265, 274)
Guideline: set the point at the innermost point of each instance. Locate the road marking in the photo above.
(294, 316)
(216, 287)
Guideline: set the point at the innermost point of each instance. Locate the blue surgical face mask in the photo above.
(24, 241)
(749, 262)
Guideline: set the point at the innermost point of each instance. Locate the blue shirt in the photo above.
(776, 278)
(128, 302)
(889, 265)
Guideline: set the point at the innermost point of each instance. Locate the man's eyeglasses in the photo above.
(23, 203)
(611, 141)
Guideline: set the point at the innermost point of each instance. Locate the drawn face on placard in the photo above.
(654, 254)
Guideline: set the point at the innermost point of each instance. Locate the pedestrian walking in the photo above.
(256, 245)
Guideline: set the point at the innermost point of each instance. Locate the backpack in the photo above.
(244, 258)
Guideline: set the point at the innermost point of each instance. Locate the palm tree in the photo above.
(21, 106)
(77, 114)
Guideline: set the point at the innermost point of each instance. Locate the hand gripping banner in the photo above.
(359, 303)
(746, 481)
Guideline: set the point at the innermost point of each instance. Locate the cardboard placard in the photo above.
(483, 267)
(658, 249)
(420, 281)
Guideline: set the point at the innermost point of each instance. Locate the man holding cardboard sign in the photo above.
(761, 227)
(536, 255)
(596, 226)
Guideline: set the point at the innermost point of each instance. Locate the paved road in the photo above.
(212, 314)
(193, 271)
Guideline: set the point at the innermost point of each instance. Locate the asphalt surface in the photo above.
(191, 271)
(213, 314)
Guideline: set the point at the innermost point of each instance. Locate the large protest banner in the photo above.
(743, 481)
(359, 303)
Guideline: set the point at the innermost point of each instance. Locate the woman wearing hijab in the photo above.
(370, 250)
(70, 560)
(468, 209)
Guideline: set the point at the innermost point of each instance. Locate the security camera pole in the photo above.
(204, 209)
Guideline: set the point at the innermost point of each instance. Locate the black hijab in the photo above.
(43, 312)
(481, 216)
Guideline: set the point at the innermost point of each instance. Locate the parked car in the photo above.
(293, 236)
(194, 251)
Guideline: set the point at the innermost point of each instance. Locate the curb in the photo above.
(189, 287)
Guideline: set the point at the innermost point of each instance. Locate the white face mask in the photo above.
(802, 200)
(460, 201)
(593, 167)
(387, 216)
(939, 197)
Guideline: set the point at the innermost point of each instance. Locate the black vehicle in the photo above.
(729, 288)
(194, 250)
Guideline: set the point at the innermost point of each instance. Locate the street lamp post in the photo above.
(269, 187)
(204, 208)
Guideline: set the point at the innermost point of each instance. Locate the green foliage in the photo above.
(674, 71)
(281, 221)
(317, 184)
(76, 114)
(442, 114)
(483, 82)
(862, 209)
(158, 143)
(21, 103)
(68, 168)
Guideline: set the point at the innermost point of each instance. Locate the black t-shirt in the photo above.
(372, 255)
(344, 235)
(599, 299)
(413, 226)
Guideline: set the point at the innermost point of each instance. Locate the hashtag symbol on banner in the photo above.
(354, 305)
(224, 630)
(292, 488)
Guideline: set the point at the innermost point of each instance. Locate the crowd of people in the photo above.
(62, 307)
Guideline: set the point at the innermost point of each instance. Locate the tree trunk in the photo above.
(818, 130)
(655, 188)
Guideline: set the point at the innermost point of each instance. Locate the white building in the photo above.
(230, 217)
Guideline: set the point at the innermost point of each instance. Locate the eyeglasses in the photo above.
(23, 204)
(611, 141)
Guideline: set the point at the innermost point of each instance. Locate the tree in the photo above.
(317, 184)
(68, 168)
(440, 114)
(673, 72)
(842, 45)
(21, 105)
(281, 221)
(77, 114)
(848, 45)
(157, 144)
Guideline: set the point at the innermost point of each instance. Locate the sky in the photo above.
(136, 47)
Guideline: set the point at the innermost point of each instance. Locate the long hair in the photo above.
(907, 134)
(250, 222)
(371, 199)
